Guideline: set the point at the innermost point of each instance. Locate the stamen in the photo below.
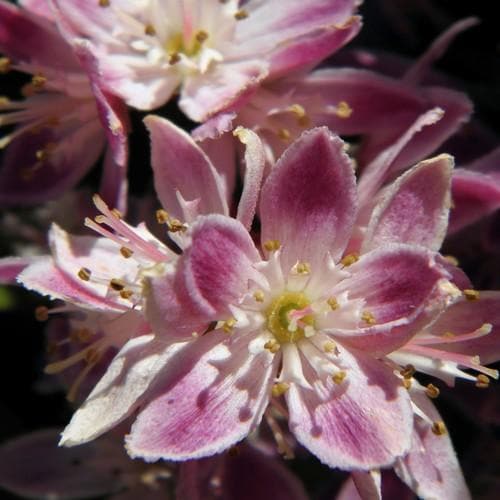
(432, 391)
(329, 346)
(42, 313)
(284, 134)
(5, 65)
(149, 30)
(240, 14)
(439, 428)
(174, 58)
(302, 268)
(272, 245)
(126, 252)
(368, 317)
(38, 81)
(104, 3)
(272, 346)
(452, 260)
(116, 213)
(259, 296)
(126, 294)
(117, 284)
(483, 382)
(343, 110)
(201, 36)
(350, 259)
(279, 389)
(408, 371)
(84, 274)
(407, 383)
(332, 302)
(162, 216)
(229, 324)
(471, 295)
(339, 377)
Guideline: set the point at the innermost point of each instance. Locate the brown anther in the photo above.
(432, 391)
(84, 274)
(126, 252)
(407, 383)
(284, 134)
(349, 259)
(201, 36)
(339, 377)
(329, 346)
(240, 14)
(5, 65)
(116, 213)
(117, 284)
(272, 245)
(228, 325)
(343, 110)
(174, 58)
(439, 428)
(279, 389)
(259, 296)
(175, 226)
(104, 3)
(38, 81)
(482, 381)
(471, 295)
(162, 216)
(149, 30)
(368, 317)
(303, 268)
(272, 346)
(332, 302)
(126, 294)
(42, 313)
(92, 356)
(408, 371)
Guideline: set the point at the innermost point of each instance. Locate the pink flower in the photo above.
(59, 133)
(212, 51)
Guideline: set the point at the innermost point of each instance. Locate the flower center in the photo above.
(290, 317)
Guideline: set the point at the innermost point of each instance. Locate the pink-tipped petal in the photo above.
(113, 188)
(363, 423)
(308, 202)
(414, 209)
(10, 267)
(205, 404)
(180, 166)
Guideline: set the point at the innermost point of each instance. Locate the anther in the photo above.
(432, 391)
(284, 134)
(201, 36)
(92, 356)
(407, 383)
(350, 259)
(272, 346)
(339, 377)
(5, 65)
(149, 30)
(44, 153)
(41, 313)
(228, 325)
(329, 346)
(259, 296)
(448, 335)
(104, 3)
(83, 335)
(408, 371)
(117, 284)
(100, 219)
(240, 14)
(116, 213)
(175, 226)
(38, 81)
(343, 110)
(482, 382)
(126, 252)
(303, 268)
(279, 389)
(452, 260)
(162, 216)
(126, 294)
(439, 428)
(174, 58)
(368, 317)
(84, 273)
(272, 245)
(471, 295)
(332, 302)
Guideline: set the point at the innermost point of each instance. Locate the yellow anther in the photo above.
(175, 226)
(482, 382)
(84, 274)
(329, 346)
(439, 428)
(126, 252)
(452, 260)
(407, 383)
(240, 14)
(162, 216)
(279, 389)
(339, 377)
(350, 259)
(272, 245)
(432, 391)
(41, 313)
(100, 219)
(173, 58)
(228, 325)
(5, 64)
(284, 134)
(126, 294)
(332, 302)
(259, 296)
(116, 213)
(471, 295)
(38, 81)
(117, 284)
(104, 3)
(272, 346)
(149, 29)
(201, 36)
(408, 371)
(448, 335)
(303, 268)
(368, 317)
(343, 110)
(297, 110)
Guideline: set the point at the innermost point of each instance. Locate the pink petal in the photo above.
(363, 423)
(113, 188)
(414, 209)
(10, 267)
(431, 467)
(39, 7)
(120, 391)
(180, 166)
(308, 201)
(205, 404)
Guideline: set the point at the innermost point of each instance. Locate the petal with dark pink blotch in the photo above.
(308, 201)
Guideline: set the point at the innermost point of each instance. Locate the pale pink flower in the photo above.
(212, 52)
(66, 119)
